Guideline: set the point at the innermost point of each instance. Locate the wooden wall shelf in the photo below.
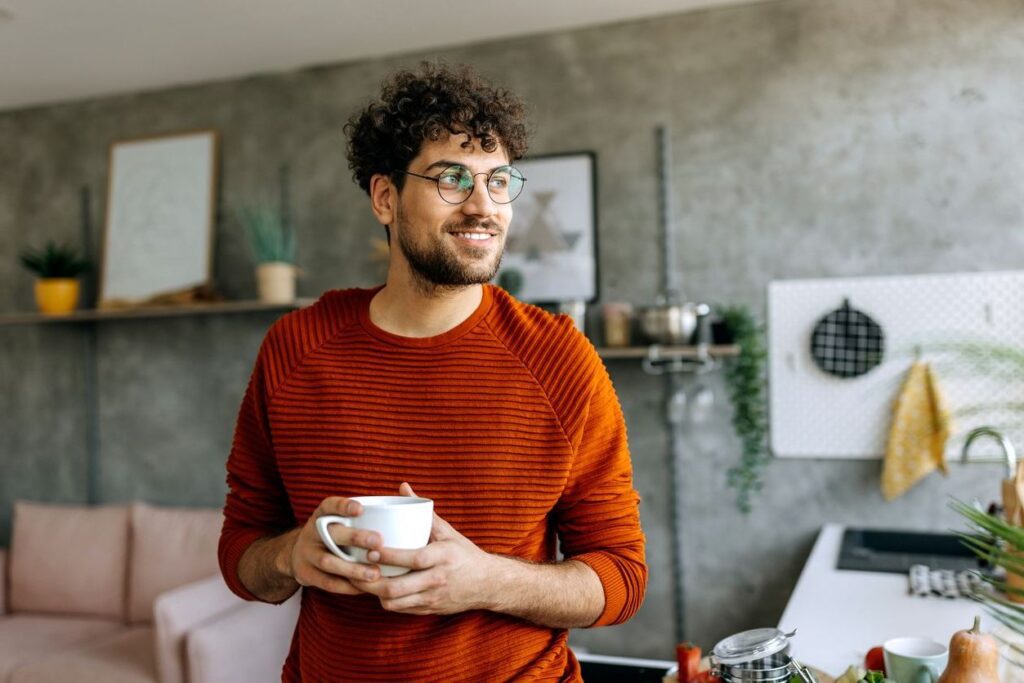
(667, 352)
(248, 306)
(96, 315)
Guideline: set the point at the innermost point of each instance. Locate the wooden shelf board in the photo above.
(666, 352)
(220, 307)
(90, 315)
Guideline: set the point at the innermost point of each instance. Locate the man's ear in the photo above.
(383, 198)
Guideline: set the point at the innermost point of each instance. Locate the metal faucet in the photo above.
(1009, 452)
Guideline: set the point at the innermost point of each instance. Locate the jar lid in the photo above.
(750, 646)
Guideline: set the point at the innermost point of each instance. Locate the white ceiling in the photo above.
(58, 50)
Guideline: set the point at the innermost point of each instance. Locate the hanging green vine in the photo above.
(747, 384)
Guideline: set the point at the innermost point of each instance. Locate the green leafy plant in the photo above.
(999, 544)
(511, 280)
(271, 239)
(745, 377)
(55, 261)
(992, 361)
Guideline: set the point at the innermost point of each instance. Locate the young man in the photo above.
(438, 382)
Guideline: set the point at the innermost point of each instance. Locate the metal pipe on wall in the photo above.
(90, 373)
(670, 285)
(672, 384)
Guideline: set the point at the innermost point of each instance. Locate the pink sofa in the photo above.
(129, 594)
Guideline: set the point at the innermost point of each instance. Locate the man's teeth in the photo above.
(474, 235)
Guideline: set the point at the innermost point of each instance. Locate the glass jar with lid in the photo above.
(760, 655)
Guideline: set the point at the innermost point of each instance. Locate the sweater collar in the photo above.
(446, 337)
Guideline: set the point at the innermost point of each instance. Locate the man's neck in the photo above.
(408, 311)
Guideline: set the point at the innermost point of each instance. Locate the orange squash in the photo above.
(973, 657)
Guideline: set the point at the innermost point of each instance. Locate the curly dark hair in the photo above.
(428, 105)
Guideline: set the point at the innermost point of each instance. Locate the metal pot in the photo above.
(670, 324)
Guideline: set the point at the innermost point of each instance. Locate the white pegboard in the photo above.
(816, 415)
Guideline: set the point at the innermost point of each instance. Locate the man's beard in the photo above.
(437, 266)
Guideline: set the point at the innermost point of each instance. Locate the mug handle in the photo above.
(925, 675)
(321, 526)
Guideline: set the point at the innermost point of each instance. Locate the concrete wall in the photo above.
(811, 138)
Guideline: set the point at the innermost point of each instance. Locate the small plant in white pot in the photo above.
(273, 248)
(57, 267)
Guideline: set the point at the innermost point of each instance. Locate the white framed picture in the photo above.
(158, 237)
(551, 251)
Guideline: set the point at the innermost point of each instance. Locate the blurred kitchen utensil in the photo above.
(676, 410)
(701, 397)
(618, 320)
(701, 400)
(577, 310)
(661, 362)
(1013, 512)
(669, 324)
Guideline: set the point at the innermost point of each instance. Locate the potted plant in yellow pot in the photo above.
(273, 248)
(57, 267)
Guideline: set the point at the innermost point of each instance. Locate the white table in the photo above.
(840, 614)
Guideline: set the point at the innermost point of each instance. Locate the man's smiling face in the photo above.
(451, 245)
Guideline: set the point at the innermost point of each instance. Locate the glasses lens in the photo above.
(504, 184)
(455, 184)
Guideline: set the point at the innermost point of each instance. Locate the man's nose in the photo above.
(480, 202)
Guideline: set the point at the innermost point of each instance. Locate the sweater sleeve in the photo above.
(257, 504)
(598, 514)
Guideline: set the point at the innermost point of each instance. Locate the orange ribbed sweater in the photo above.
(508, 422)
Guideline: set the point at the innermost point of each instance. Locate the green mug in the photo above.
(914, 660)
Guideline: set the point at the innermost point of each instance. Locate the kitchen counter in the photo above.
(840, 614)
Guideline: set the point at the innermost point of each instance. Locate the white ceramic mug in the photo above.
(402, 521)
(914, 660)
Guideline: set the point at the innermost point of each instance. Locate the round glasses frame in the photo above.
(512, 170)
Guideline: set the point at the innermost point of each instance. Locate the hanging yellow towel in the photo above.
(920, 428)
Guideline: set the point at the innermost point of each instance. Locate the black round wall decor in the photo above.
(847, 342)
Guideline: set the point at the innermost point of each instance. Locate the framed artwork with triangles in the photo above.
(551, 250)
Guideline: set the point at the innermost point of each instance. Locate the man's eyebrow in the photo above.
(442, 164)
(445, 163)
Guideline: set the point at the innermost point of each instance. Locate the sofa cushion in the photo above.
(178, 611)
(69, 560)
(28, 637)
(170, 547)
(210, 645)
(123, 657)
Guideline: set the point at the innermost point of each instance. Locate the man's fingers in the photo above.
(404, 489)
(421, 558)
(362, 538)
(413, 583)
(441, 530)
(417, 603)
(336, 584)
(350, 570)
(316, 578)
(337, 505)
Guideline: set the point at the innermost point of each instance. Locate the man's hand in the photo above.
(309, 562)
(450, 574)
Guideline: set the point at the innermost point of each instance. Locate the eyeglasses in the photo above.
(456, 183)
